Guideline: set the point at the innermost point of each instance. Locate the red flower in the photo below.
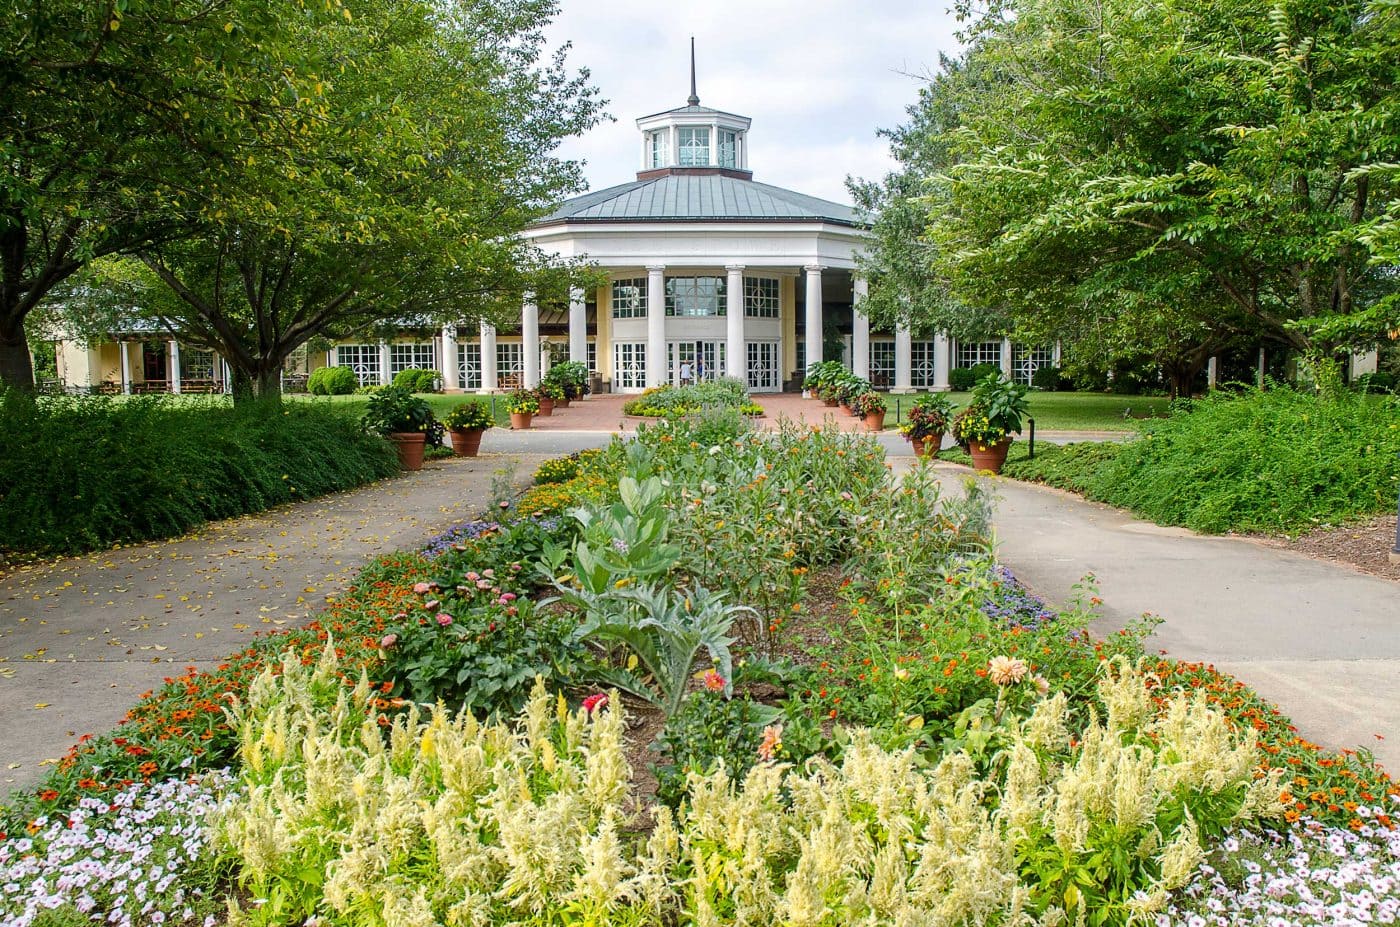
(595, 701)
(48, 795)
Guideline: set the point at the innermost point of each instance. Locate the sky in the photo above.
(818, 78)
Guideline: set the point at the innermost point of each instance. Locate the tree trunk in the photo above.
(16, 366)
(262, 385)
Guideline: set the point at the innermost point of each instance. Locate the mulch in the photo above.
(1363, 546)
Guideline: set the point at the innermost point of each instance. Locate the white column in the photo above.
(333, 357)
(385, 358)
(490, 382)
(578, 325)
(1057, 355)
(447, 361)
(735, 353)
(942, 362)
(1213, 373)
(530, 334)
(1364, 362)
(228, 375)
(546, 358)
(657, 374)
(126, 366)
(814, 313)
(903, 360)
(174, 366)
(1006, 357)
(1259, 373)
(860, 330)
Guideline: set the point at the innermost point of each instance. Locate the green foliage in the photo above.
(677, 401)
(331, 381)
(868, 403)
(709, 730)
(557, 470)
(469, 415)
(522, 401)
(417, 380)
(962, 379)
(994, 411)
(570, 376)
(822, 374)
(1049, 379)
(1382, 381)
(930, 415)
(84, 473)
(395, 410)
(551, 391)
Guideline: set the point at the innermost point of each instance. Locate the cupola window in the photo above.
(694, 147)
(658, 148)
(728, 149)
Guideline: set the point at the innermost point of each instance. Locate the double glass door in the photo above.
(706, 360)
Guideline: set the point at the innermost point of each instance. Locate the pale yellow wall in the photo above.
(789, 319)
(108, 363)
(604, 338)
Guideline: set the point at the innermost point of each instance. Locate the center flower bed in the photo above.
(673, 402)
(712, 677)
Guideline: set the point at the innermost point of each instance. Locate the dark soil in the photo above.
(1362, 546)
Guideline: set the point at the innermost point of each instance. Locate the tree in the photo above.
(117, 117)
(1230, 151)
(422, 153)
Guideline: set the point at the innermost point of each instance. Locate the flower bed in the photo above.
(679, 401)
(856, 716)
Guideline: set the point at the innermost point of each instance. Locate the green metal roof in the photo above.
(684, 197)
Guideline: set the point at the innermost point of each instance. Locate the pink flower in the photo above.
(515, 568)
(507, 597)
(444, 619)
(431, 605)
(713, 681)
(388, 640)
(772, 742)
(473, 575)
(512, 611)
(488, 572)
(483, 584)
(503, 504)
(421, 588)
(595, 701)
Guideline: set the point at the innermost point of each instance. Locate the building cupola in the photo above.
(694, 139)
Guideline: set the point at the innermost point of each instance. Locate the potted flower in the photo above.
(820, 377)
(871, 407)
(992, 416)
(548, 393)
(466, 424)
(522, 406)
(405, 419)
(847, 388)
(929, 419)
(572, 378)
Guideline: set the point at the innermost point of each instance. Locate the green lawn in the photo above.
(1063, 411)
(441, 403)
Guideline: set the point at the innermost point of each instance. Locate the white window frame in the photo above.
(763, 297)
(469, 365)
(727, 148)
(629, 298)
(592, 357)
(972, 353)
(363, 359)
(418, 355)
(659, 148)
(1026, 360)
(689, 150)
(922, 374)
(689, 293)
(882, 362)
(762, 362)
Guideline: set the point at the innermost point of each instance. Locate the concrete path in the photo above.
(81, 638)
(1320, 640)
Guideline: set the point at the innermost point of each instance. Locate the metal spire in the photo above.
(692, 100)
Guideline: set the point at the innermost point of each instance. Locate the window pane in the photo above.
(728, 149)
(970, 354)
(695, 296)
(629, 298)
(762, 297)
(695, 147)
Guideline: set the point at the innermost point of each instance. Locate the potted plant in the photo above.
(405, 419)
(992, 416)
(522, 406)
(820, 377)
(572, 378)
(466, 424)
(548, 393)
(847, 388)
(929, 419)
(870, 406)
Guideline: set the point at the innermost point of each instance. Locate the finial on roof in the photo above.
(692, 100)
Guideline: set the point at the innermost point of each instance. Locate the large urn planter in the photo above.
(466, 442)
(519, 421)
(989, 456)
(546, 407)
(874, 421)
(830, 403)
(846, 407)
(410, 445)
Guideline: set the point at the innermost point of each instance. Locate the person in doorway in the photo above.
(687, 375)
(699, 371)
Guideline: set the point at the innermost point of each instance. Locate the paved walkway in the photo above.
(81, 638)
(1319, 639)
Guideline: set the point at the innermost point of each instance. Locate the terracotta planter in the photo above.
(846, 407)
(829, 403)
(466, 441)
(874, 421)
(561, 403)
(989, 456)
(929, 446)
(520, 420)
(410, 445)
(546, 407)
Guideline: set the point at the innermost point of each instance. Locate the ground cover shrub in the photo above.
(679, 401)
(418, 380)
(332, 381)
(712, 730)
(563, 469)
(140, 855)
(79, 473)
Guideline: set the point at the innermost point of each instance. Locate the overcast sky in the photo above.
(818, 77)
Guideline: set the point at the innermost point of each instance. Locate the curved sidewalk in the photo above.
(82, 637)
(1319, 639)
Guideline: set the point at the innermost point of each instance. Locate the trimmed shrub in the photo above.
(963, 379)
(1379, 382)
(1051, 380)
(331, 381)
(418, 380)
(84, 473)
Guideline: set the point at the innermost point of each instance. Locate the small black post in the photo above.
(1031, 455)
(897, 419)
(493, 407)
